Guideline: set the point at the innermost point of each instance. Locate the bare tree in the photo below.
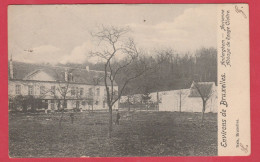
(146, 97)
(115, 43)
(182, 95)
(61, 91)
(205, 92)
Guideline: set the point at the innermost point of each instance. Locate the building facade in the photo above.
(58, 87)
(189, 100)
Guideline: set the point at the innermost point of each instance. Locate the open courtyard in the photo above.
(145, 133)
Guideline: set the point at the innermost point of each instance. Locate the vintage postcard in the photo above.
(117, 80)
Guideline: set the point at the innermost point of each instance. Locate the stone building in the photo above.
(57, 86)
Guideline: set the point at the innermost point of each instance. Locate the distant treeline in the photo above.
(169, 70)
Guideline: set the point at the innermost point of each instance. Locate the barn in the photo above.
(189, 100)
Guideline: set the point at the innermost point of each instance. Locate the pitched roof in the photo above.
(206, 88)
(21, 71)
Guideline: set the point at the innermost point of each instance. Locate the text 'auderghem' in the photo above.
(226, 38)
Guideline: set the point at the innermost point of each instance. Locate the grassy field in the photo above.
(147, 134)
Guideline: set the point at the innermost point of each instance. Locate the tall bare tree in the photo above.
(182, 95)
(61, 91)
(115, 43)
(205, 92)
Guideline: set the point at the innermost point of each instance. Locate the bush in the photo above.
(24, 103)
(17, 103)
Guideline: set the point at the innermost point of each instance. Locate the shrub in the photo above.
(24, 103)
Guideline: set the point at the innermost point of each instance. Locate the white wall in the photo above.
(171, 102)
(24, 91)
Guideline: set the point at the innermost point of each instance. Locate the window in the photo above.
(98, 91)
(18, 89)
(70, 77)
(104, 104)
(63, 90)
(65, 104)
(77, 104)
(42, 90)
(45, 104)
(72, 91)
(90, 91)
(81, 91)
(115, 92)
(30, 90)
(52, 104)
(77, 91)
(105, 91)
(53, 90)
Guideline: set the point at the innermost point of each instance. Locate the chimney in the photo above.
(87, 68)
(11, 68)
(66, 76)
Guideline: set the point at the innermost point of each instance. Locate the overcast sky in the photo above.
(61, 33)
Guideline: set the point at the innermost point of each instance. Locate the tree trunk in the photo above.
(24, 109)
(203, 110)
(24, 106)
(61, 117)
(180, 101)
(92, 107)
(62, 113)
(157, 96)
(33, 108)
(128, 100)
(110, 122)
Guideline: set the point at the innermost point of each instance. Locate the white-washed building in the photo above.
(54, 85)
(189, 100)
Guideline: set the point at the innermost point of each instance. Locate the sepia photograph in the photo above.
(113, 80)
